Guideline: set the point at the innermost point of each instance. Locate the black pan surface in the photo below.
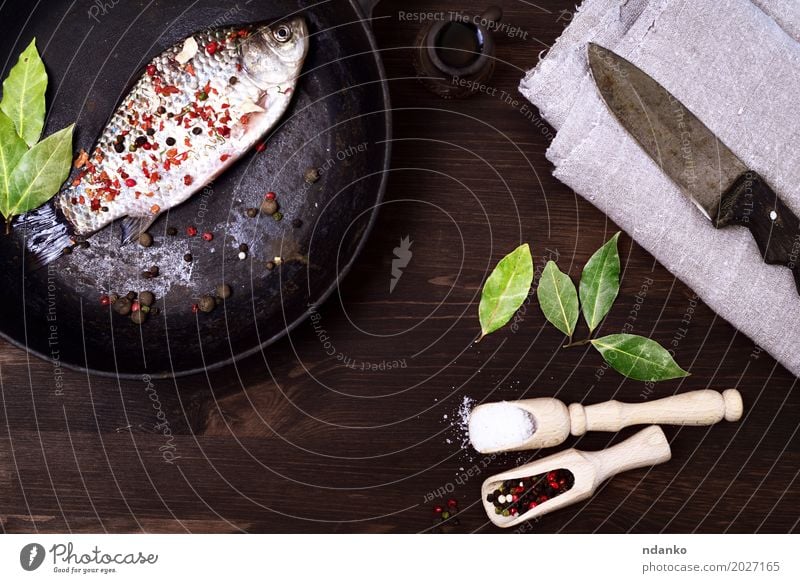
(338, 123)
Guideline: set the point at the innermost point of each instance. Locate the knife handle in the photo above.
(752, 203)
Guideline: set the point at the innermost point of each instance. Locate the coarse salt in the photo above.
(498, 426)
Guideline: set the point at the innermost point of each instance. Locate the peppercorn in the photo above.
(270, 196)
(67, 250)
(140, 141)
(146, 298)
(172, 231)
(112, 298)
(104, 209)
(151, 131)
(131, 295)
(191, 231)
(270, 265)
(197, 131)
(244, 247)
(139, 317)
(452, 503)
(119, 147)
(155, 270)
(206, 304)
(187, 258)
(277, 216)
(83, 244)
(195, 308)
(269, 207)
(145, 239)
(122, 306)
(224, 291)
(105, 300)
(151, 70)
(207, 236)
(261, 147)
(146, 274)
(170, 141)
(445, 515)
(297, 223)
(233, 80)
(311, 175)
(251, 212)
(161, 110)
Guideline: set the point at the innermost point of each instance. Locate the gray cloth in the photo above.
(734, 63)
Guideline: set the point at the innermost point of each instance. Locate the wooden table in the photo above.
(355, 432)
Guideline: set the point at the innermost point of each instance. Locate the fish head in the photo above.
(274, 54)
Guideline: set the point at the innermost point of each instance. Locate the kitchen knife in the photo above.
(705, 169)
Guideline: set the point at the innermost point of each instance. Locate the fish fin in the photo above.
(132, 227)
(47, 234)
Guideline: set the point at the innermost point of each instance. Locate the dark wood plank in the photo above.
(348, 433)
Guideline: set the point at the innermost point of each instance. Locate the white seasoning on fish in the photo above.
(499, 426)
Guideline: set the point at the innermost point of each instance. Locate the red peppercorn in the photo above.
(261, 147)
(130, 183)
(513, 511)
(270, 196)
(212, 47)
(452, 503)
(553, 484)
(542, 498)
(104, 300)
(438, 509)
(151, 70)
(552, 476)
(195, 308)
(135, 306)
(187, 180)
(208, 236)
(191, 231)
(514, 497)
(532, 505)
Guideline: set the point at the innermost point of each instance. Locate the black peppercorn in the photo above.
(170, 141)
(119, 147)
(151, 131)
(243, 247)
(197, 131)
(188, 258)
(251, 212)
(161, 110)
(141, 141)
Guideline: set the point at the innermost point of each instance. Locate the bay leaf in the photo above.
(638, 357)
(40, 173)
(558, 298)
(23, 95)
(11, 150)
(505, 289)
(600, 283)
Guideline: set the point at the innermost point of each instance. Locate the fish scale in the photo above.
(197, 108)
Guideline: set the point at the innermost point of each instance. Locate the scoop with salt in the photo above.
(546, 422)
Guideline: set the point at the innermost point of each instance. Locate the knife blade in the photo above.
(691, 155)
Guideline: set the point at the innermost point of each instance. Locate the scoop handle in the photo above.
(693, 408)
(646, 448)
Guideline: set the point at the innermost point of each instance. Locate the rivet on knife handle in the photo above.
(751, 203)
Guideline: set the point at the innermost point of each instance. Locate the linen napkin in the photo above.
(736, 65)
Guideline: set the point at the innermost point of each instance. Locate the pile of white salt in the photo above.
(498, 426)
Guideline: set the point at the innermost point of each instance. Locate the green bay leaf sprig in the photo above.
(633, 356)
(31, 172)
(505, 289)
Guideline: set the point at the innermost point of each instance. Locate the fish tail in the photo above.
(47, 234)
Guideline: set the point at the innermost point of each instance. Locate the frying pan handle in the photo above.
(367, 6)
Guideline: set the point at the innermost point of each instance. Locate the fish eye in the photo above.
(282, 34)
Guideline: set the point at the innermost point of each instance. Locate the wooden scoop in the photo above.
(553, 421)
(589, 468)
